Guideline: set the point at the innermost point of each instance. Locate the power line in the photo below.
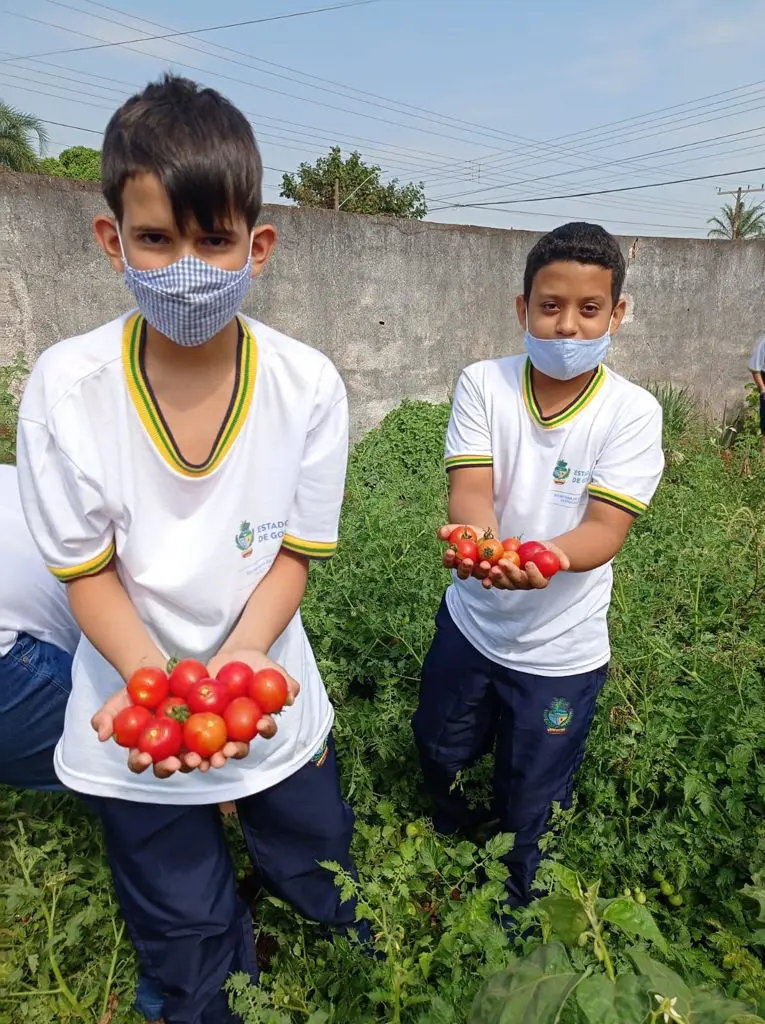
(605, 191)
(195, 31)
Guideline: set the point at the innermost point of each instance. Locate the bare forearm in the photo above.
(473, 510)
(272, 605)
(758, 380)
(106, 615)
(590, 545)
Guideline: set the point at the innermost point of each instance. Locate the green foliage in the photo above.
(359, 188)
(669, 813)
(79, 162)
(11, 377)
(738, 220)
(23, 138)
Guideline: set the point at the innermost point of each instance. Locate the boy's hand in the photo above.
(466, 568)
(506, 576)
(103, 723)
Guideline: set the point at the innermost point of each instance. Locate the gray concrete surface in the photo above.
(399, 306)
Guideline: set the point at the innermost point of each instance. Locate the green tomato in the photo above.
(640, 897)
(412, 830)
(667, 888)
(676, 899)
(627, 891)
(657, 876)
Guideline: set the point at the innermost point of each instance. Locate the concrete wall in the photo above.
(399, 306)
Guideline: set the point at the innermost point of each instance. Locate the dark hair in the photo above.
(577, 242)
(198, 144)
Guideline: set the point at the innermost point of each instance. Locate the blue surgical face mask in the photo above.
(189, 301)
(566, 358)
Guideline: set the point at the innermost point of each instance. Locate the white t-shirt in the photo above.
(606, 446)
(100, 475)
(757, 358)
(31, 601)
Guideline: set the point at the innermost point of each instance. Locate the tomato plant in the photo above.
(204, 733)
(129, 724)
(236, 676)
(148, 687)
(269, 690)
(209, 695)
(241, 718)
(162, 738)
(186, 674)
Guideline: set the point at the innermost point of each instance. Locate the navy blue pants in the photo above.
(762, 415)
(536, 725)
(177, 890)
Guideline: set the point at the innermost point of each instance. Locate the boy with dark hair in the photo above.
(179, 467)
(550, 446)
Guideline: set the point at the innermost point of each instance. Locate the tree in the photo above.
(18, 149)
(737, 220)
(80, 162)
(353, 186)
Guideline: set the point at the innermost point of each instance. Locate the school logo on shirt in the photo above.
(561, 472)
(321, 755)
(558, 716)
(245, 538)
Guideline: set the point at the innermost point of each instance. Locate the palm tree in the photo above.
(737, 220)
(17, 150)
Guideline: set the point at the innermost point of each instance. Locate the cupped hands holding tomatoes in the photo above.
(503, 564)
(200, 716)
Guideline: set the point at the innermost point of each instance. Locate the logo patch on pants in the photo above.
(320, 756)
(558, 716)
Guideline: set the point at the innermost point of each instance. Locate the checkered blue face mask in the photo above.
(190, 300)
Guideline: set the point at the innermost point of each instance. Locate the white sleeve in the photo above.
(62, 503)
(757, 360)
(630, 466)
(314, 518)
(468, 436)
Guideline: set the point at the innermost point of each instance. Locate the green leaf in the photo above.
(566, 878)
(634, 919)
(756, 893)
(712, 1008)
(318, 1017)
(501, 845)
(531, 991)
(567, 917)
(662, 981)
(603, 1002)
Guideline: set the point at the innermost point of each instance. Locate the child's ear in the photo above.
(520, 310)
(618, 315)
(263, 242)
(105, 230)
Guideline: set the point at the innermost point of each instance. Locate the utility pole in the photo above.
(738, 208)
(337, 193)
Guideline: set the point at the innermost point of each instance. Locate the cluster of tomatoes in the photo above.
(466, 545)
(188, 711)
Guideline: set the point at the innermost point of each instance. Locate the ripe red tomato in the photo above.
(462, 533)
(129, 724)
(209, 695)
(531, 547)
(204, 733)
(511, 556)
(269, 690)
(465, 549)
(161, 738)
(173, 707)
(490, 550)
(547, 562)
(241, 718)
(236, 677)
(148, 687)
(511, 544)
(185, 674)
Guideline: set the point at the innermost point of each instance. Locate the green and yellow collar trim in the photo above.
(572, 410)
(133, 348)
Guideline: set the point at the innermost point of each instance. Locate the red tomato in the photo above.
(531, 547)
(547, 562)
(129, 724)
(511, 544)
(185, 674)
(490, 550)
(465, 549)
(209, 695)
(241, 718)
(511, 556)
(462, 533)
(173, 707)
(269, 690)
(236, 677)
(148, 687)
(161, 738)
(204, 733)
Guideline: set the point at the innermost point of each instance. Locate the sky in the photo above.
(498, 106)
